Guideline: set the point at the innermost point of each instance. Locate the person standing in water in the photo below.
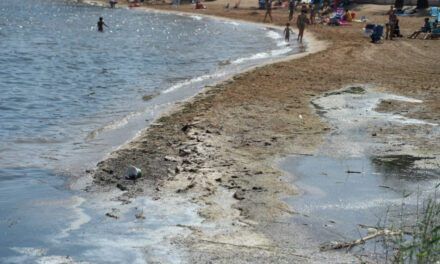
(301, 22)
(287, 32)
(101, 25)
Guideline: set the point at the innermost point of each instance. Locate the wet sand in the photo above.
(218, 149)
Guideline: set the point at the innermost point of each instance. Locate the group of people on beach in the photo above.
(308, 14)
(301, 21)
(393, 28)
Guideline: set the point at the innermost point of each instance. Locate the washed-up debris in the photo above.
(140, 215)
(170, 158)
(372, 233)
(113, 214)
(121, 187)
(239, 195)
(133, 173)
(350, 171)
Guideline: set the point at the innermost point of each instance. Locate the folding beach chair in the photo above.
(435, 33)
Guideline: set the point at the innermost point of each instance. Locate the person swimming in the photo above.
(101, 25)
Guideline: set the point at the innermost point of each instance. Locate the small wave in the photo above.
(196, 17)
(232, 23)
(279, 52)
(194, 80)
(224, 63)
(263, 55)
(38, 140)
(274, 35)
(30, 251)
(277, 36)
(113, 125)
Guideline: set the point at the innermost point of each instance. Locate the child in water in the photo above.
(287, 31)
(101, 25)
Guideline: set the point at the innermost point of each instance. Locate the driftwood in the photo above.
(340, 245)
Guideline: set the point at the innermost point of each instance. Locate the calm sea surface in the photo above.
(63, 84)
(69, 95)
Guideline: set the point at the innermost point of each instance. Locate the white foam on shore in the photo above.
(354, 108)
(196, 17)
(277, 37)
(348, 111)
(81, 217)
(113, 125)
(279, 40)
(263, 55)
(232, 23)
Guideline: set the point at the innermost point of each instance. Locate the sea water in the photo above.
(63, 84)
(69, 95)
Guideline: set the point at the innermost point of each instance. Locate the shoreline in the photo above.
(215, 152)
(313, 45)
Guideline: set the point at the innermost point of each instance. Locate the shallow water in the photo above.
(69, 95)
(41, 222)
(349, 181)
(63, 85)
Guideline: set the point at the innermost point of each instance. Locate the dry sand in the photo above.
(217, 150)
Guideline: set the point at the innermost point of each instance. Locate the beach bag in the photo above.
(377, 33)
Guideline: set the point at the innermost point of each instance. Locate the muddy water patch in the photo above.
(43, 223)
(360, 174)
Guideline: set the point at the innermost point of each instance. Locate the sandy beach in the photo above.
(218, 150)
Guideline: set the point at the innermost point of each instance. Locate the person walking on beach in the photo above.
(287, 32)
(312, 14)
(291, 9)
(113, 3)
(101, 25)
(301, 22)
(268, 10)
(391, 25)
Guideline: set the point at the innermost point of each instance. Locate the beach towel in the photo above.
(344, 23)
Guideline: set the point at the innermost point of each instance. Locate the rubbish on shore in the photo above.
(140, 215)
(170, 158)
(372, 233)
(121, 187)
(133, 173)
(239, 195)
(148, 97)
(113, 214)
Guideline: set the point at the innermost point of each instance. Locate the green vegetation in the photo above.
(421, 243)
